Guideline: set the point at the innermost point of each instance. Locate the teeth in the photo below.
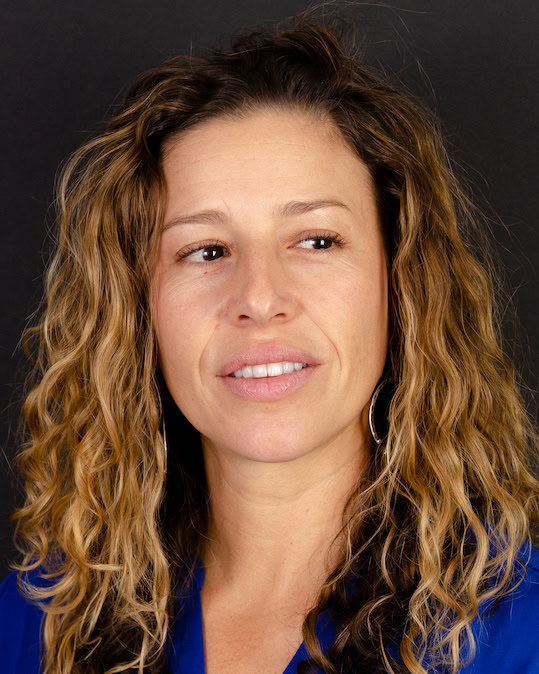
(268, 369)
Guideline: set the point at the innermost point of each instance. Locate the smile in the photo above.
(266, 388)
(268, 369)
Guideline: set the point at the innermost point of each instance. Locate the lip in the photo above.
(270, 353)
(265, 389)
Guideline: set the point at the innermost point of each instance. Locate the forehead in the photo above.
(266, 151)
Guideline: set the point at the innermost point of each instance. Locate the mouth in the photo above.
(268, 388)
(270, 370)
(271, 356)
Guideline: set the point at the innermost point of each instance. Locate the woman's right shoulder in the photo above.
(20, 627)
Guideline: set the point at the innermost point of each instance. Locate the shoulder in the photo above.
(20, 628)
(506, 637)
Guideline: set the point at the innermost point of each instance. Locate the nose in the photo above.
(262, 292)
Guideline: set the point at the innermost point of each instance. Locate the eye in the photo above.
(211, 246)
(329, 242)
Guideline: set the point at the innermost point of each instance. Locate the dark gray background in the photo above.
(66, 63)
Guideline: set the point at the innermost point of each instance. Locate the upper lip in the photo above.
(270, 353)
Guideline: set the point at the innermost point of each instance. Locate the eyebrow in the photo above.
(288, 210)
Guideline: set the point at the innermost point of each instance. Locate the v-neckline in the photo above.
(188, 639)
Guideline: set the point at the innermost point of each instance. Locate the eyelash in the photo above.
(336, 239)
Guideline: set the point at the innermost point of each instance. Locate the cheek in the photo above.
(359, 287)
(356, 307)
(178, 317)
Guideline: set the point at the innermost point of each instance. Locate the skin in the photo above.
(279, 472)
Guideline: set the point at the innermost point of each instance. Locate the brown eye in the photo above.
(328, 240)
(213, 247)
(209, 251)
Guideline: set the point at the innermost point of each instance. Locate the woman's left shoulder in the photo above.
(20, 628)
(507, 635)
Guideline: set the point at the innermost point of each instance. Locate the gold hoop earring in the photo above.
(377, 440)
(165, 445)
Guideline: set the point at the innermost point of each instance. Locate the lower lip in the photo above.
(265, 389)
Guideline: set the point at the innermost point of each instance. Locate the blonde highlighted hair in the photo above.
(118, 534)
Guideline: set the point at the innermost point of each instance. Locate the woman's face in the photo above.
(270, 276)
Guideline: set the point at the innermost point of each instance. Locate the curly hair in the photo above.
(118, 533)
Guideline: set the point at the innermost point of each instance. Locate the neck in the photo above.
(272, 525)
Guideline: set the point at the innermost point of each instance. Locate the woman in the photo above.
(273, 428)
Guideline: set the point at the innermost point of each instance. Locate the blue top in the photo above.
(507, 642)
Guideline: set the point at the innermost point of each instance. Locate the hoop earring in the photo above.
(377, 440)
(165, 444)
